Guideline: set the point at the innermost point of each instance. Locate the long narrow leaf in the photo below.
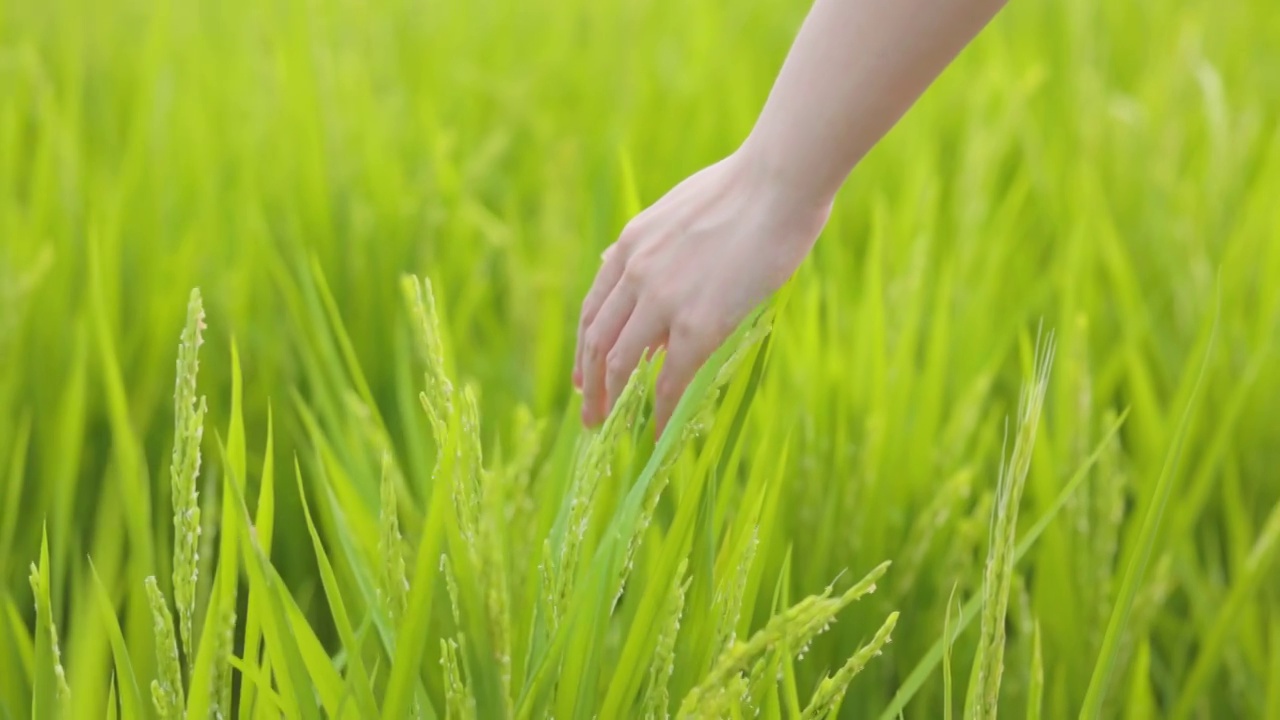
(1103, 670)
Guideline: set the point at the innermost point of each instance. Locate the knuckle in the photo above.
(667, 390)
(640, 271)
(686, 326)
(593, 345)
(662, 298)
(635, 273)
(631, 232)
(616, 366)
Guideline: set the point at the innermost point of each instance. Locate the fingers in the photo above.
(644, 331)
(598, 340)
(606, 278)
(687, 350)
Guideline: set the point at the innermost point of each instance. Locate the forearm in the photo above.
(855, 67)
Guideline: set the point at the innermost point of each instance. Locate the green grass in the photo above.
(398, 514)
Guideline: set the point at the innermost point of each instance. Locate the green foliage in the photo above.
(391, 215)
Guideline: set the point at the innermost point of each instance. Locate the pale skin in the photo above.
(688, 269)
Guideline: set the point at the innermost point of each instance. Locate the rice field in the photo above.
(288, 302)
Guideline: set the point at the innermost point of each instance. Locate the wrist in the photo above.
(777, 182)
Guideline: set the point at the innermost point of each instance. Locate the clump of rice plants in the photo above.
(499, 656)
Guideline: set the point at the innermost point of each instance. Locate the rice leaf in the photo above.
(1273, 678)
(1103, 670)
(1035, 694)
(1229, 615)
(51, 694)
(263, 528)
(260, 681)
(1140, 702)
(948, 638)
(13, 484)
(210, 682)
(359, 677)
(131, 702)
(280, 631)
(113, 707)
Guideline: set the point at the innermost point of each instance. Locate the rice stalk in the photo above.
(796, 626)
(653, 494)
(1108, 513)
(947, 639)
(657, 699)
(184, 471)
(1035, 694)
(730, 594)
(595, 467)
(460, 704)
(451, 583)
(393, 590)
(167, 689)
(998, 575)
(831, 690)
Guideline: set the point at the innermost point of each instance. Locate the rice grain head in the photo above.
(832, 688)
(657, 697)
(166, 689)
(184, 471)
(998, 576)
(797, 625)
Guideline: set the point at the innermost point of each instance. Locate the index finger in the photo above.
(606, 278)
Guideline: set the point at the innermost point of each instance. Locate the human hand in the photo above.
(682, 276)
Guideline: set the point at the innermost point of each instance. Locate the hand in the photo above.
(684, 274)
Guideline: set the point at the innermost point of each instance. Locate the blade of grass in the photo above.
(296, 688)
(51, 692)
(1140, 703)
(411, 641)
(131, 699)
(200, 697)
(1103, 670)
(1228, 617)
(264, 529)
(1273, 680)
(1035, 695)
(125, 444)
(13, 492)
(19, 680)
(210, 680)
(947, 639)
(113, 708)
(359, 678)
(782, 599)
(260, 682)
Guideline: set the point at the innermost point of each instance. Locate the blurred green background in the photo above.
(1107, 169)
